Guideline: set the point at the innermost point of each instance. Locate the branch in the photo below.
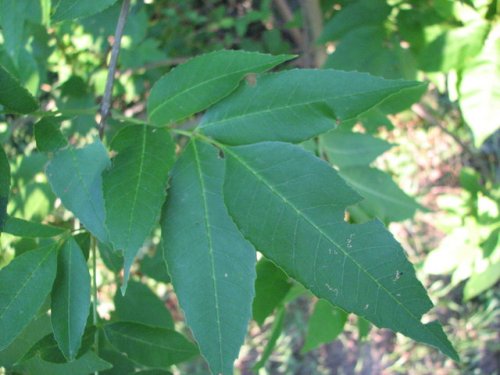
(108, 92)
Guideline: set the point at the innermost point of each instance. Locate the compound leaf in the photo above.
(290, 205)
(13, 96)
(134, 187)
(24, 285)
(296, 105)
(75, 177)
(212, 266)
(150, 346)
(70, 299)
(202, 82)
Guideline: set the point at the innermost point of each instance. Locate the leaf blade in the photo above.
(70, 299)
(279, 104)
(4, 187)
(134, 187)
(211, 265)
(81, 191)
(14, 96)
(202, 81)
(24, 284)
(70, 9)
(272, 173)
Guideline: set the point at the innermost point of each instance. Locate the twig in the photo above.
(313, 26)
(287, 16)
(108, 92)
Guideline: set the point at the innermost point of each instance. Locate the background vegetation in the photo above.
(430, 173)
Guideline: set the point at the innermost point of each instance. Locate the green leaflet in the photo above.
(75, 177)
(271, 287)
(69, 9)
(202, 82)
(86, 364)
(132, 307)
(212, 266)
(24, 285)
(134, 187)
(12, 19)
(384, 199)
(348, 149)
(290, 205)
(13, 96)
(296, 105)
(4, 187)
(276, 330)
(48, 135)
(70, 299)
(150, 346)
(30, 229)
(325, 324)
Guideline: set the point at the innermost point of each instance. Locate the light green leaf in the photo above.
(150, 346)
(480, 90)
(13, 96)
(271, 287)
(30, 229)
(297, 221)
(134, 187)
(383, 197)
(70, 299)
(348, 149)
(202, 82)
(75, 177)
(48, 135)
(296, 105)
(85, 365)
(481, 281)
(132, 307)
(69, 9)
(212, 266)
(325, 324)
(24, 285)
(4, 187)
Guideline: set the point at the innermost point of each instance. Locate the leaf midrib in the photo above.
(308, 220)
(324, 99)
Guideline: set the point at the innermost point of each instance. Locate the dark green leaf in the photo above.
(134, 187)
(86, 364)
(111, 258)
(278, 323)
(75, 177)
(4, 187)
(325, 324)
(48, 135)
(384, 199)
(296, 105)
(212, 266)
(271, 287)
(121, 363)
(141, 305)
(203, 81)
(70, 298)
(150, 346)
(12, 19)
(364, 328)
(347, 149)
(298, 222)
(13, 96)
(69, 9)
(30, 229)
(24, 285)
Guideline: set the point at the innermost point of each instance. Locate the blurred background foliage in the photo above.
(430, 173)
